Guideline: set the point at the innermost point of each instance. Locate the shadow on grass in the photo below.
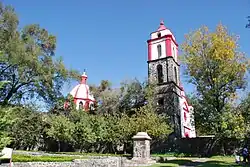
(190, 163)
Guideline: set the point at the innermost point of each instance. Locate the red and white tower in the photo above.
(164, 69)
(82, 95)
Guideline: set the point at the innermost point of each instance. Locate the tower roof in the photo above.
(81, 91)
(163, 30)
(162, 26)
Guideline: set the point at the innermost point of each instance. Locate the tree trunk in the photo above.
(211, 146)
(59, 146)
(124, 148)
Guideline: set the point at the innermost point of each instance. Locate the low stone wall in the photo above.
(100, 162)
(93, 162)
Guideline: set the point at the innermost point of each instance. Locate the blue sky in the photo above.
(108, 38)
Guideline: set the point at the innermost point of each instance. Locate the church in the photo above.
(83, 98)
(163, 69)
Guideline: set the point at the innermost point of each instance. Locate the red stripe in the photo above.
(85, 99)
(186, 107)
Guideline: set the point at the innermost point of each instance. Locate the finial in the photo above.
(84, 77)
(162, 26)
(84, 72)
(162, 22)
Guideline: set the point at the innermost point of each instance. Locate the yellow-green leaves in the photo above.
(217, 68)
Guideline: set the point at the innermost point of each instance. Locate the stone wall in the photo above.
(98, 162)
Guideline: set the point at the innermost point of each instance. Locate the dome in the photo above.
(81, 91)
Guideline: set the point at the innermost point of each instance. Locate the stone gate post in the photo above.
(141, 148)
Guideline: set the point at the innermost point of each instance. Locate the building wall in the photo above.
(154, 49)
(187, 125)
(83, 101)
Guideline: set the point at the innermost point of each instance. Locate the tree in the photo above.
(26, 129)
(61, 129)
(5, 121)
(146, 118)
(97, 90)
(109, 102)
(83, 134)
(27, 61)
(217, 68)
(244, 108)
(132, 96)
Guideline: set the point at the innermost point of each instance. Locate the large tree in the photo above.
(27, 61)
(217, 68)
(26, 128)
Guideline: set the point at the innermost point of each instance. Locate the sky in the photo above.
(108, 38)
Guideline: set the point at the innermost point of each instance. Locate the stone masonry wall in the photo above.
(102, 162)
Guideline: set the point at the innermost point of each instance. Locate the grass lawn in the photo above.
(75, 153)
(30, 158)
(217, 161)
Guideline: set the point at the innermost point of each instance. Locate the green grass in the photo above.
(29, 158)
(90, 154)
(216, 161)
(172, 154)
(80, 154)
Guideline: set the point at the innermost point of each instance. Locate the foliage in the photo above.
(26, 129)
(109, 102)
(217, 68)
(27, 61)
(147, 121)
(60, 129)
(29, 70)
(232, 125)
(132, 96)
(244, 109)
(5, 121)
(96, 90)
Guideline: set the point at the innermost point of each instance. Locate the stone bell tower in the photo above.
(164, 69)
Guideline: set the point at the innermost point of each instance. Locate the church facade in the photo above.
(164, 69)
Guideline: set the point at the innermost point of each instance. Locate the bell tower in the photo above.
(164, 69)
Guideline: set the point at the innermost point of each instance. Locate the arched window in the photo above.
(176, 76)
(159, 73)
(159, 34)
(80, 105)
(159, 50)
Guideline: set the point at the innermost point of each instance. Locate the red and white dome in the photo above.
(82, 95)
